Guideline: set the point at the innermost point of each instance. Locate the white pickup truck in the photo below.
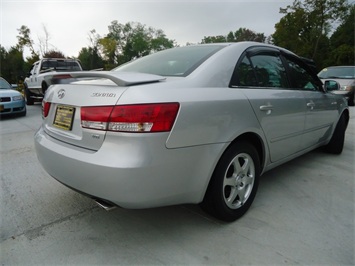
(38, 79)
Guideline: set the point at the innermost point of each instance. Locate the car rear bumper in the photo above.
(139, 173)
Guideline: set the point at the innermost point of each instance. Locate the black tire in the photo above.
(44, 87)
(234, 183)
(24, 113)
(29, 100)
(351, 101)
(336, 143)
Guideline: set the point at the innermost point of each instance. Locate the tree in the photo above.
(3, 63)
(214, 39)
(90, 58)
(53, 54)
(342, 42)
(25, 40)
(306, 25)
(44, 41)
(125, 42)
(242, 34)
(12, 64)
(108, 49)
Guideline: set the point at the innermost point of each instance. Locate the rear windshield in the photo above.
(178, 62)
(337, 72)
(60, 65)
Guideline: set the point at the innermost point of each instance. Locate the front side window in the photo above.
(34, 71)
(301, 78)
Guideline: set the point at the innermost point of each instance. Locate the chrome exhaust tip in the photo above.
(107, 206)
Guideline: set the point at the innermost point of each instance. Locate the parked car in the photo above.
(195, 124)
(40, 76)
(345, 76)
(11, 101)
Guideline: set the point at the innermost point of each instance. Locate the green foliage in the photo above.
(12, 64)
(214, 39)
(306, 25)
(242, 34)
(24, 40)
(53, 54)
(90, 58)
(342, 42)
(125, 42)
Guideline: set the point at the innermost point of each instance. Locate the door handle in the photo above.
(267, 108)
(311, 104)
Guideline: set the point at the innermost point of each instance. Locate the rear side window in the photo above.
(270, 71)
(261, 70)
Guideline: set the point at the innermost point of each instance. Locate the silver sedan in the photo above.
(195, 124)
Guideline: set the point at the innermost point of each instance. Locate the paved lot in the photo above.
(303, 214)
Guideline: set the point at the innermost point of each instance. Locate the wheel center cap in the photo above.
(239, 180)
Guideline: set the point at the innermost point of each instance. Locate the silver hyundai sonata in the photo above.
(195, 124)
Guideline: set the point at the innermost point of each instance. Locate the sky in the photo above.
(69, 22)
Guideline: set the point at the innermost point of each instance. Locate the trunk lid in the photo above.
(65, 101)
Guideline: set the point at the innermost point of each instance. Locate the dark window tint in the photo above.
(301, 78)
(60, 65)
(261, 71)
(270, 71)
(245, 73)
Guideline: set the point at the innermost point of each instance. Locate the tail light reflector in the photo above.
(46, 106)
(131, 118)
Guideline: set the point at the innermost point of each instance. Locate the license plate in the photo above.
(64, 117)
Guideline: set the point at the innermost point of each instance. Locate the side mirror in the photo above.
(331, 85)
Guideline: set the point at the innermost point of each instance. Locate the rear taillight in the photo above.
(95, 117)
(131, 118)
(46, 106)
(62, 76)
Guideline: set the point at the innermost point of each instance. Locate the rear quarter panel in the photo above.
(207, 115)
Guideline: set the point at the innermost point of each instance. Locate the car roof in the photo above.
(339, 67)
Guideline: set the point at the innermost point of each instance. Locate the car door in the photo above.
(32, 81)
(322, 107)
(261, 75)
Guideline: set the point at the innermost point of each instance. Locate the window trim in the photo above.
(283, 55)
